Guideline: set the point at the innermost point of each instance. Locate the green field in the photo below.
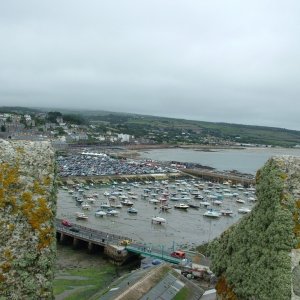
(83, 283)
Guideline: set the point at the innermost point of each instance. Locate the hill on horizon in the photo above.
(137, 124)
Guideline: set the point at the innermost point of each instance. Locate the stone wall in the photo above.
(253, 258)
(27, 212)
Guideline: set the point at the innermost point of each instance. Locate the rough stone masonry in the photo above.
(258, 258)
(27, 212)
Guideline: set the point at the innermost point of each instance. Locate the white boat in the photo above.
(240, 200)
(252, 199)
(105, 205)
(217, 202)
(226, 212)
(127, 202)
(165, 207)
(204, 203)
(212, 214)
(244, 210)
(192, 205)
(81, 216)
(100, 213)
(155, 201)
(91, 199)
(132, 210)
(158, 220)
(228, 195)
(85, 206)
(175, 199)
(181, 206)
(112, 212)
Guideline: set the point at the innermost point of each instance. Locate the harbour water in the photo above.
(182, 229)
(247, 160)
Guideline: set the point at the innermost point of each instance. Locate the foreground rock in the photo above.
(259, 257)
(27, 211)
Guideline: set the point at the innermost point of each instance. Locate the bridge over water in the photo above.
(154, 252)
(110, 243)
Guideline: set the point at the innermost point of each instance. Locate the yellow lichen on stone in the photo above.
(47, 181)
(38, 189)
(27, 208)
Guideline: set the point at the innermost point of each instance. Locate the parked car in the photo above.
(178, 254)
(156, 262)
(74, 229)
(66, 223)
(124, 242)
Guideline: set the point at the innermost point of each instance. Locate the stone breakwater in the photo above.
(27, 212)
(258, 258)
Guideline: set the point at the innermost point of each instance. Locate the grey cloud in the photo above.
(230, 61)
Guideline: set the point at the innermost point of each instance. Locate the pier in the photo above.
(219, 176)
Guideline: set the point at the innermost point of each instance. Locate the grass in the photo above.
(183, 294)
(85, 283)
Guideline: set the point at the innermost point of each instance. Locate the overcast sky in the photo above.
(212, 60)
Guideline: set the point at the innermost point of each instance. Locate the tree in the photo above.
(52, 116)
(3, 128)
